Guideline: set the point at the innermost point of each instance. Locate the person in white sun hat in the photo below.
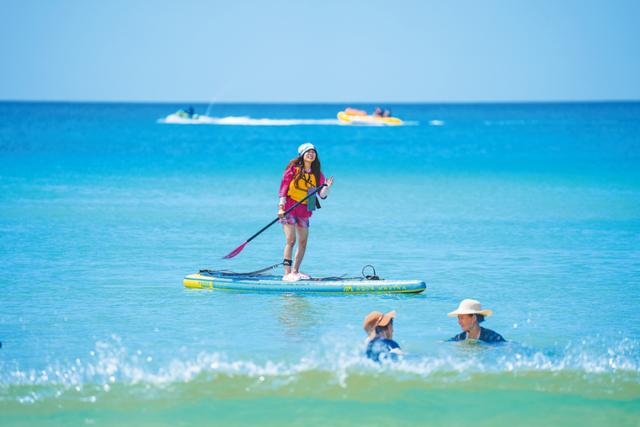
(470, 314)
(302, 177)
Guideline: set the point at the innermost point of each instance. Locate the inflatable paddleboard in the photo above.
(350, 118)
(268, 283)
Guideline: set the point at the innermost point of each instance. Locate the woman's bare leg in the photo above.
(303, 235)
(290, 241)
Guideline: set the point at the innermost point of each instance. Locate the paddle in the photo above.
(239, 249)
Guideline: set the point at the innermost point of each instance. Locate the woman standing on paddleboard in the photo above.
(301, 177)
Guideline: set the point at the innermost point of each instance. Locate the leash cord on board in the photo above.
(260, 272)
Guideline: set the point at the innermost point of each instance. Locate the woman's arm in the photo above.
(324, 191)
(284, 189)
(287, 177)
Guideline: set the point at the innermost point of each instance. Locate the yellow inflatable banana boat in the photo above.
(359, 117)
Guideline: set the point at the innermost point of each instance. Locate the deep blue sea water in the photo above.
(534, 209)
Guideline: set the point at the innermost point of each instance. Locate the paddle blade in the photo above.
(236, 251)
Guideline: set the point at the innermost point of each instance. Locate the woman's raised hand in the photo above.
(329, 182)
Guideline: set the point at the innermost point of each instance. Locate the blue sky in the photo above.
(320, 51)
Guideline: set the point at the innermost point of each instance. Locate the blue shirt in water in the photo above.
(486, 335)
(380, 348)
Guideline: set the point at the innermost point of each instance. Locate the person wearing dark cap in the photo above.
(382, 346)
(470, 314)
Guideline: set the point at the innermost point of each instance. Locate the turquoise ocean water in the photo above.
(534, 209)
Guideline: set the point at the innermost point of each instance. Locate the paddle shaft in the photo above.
(286, 212)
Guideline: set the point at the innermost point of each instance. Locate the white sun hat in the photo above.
(304, 148)
(470, 306)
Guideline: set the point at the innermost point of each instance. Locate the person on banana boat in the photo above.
(355, 112)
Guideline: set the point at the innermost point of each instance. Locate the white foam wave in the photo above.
(110, 362)
(248, 121)
(111, 367)
(245, 121)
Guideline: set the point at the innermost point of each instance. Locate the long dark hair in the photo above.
(299, 163)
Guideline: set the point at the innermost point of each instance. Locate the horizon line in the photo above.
(465, 102)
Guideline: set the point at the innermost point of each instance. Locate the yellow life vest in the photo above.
(298, 193)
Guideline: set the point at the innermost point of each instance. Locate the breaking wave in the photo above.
(111, 368)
